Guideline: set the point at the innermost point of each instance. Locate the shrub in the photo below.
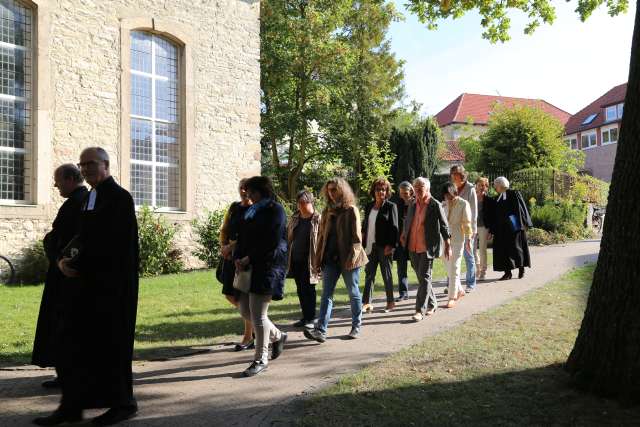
(208, 237)
(564, 217)
(32, 264)
(540, 237)
(158, 254)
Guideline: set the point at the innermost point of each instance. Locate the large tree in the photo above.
(606, 355)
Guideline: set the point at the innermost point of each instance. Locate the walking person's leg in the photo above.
(370, 270)
(387, 276)
(427, 269)
(351, 281)
(403, 280)
(330, 275)
(471, 266)
(421, 296)
(307, 295)
(483, 235)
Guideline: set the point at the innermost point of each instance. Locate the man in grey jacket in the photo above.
(467, 192)
(423, 235)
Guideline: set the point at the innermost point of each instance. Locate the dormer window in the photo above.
(614, 112)
(589, 119)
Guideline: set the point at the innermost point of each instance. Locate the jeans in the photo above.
(470, 260)
(306, 290)
(254, 307)
(426, 298)
(402, 256)
(376, 257)
(330, 274)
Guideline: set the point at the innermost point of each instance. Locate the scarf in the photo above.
(256, 207)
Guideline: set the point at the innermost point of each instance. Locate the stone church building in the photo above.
(170, 88)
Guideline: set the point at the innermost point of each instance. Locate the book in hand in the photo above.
(73, 249)
(515, 223)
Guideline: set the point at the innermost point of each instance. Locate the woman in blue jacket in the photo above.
(262, 248)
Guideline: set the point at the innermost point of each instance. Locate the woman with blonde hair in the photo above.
(339, 253)
(459, 218)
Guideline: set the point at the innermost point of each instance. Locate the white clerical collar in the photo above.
(92, 200)
(503, 196)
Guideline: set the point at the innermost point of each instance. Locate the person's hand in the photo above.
(489, 236)
(467, 245)
(226, 251)
(63, 265)
(388, 250)
(402, 240)
(447, 250)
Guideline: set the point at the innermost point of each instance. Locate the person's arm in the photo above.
(356, 237)
(445, 232)
(524, 211)
(265, 249)
(473, 206)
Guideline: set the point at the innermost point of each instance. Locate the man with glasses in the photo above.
(95, 367)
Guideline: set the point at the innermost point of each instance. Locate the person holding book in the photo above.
(508, 227)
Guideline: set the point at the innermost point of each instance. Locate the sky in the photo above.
(568, 63)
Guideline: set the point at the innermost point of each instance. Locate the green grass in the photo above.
(502, 367)
(175, 314)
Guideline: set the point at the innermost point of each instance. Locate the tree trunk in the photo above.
(606, 356)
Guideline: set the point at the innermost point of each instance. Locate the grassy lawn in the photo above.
(175, 313)
(500, 368)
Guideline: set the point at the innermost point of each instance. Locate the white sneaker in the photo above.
(417, 317)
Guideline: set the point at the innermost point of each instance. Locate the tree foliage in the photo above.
(415, 150)
(329, 82)
(522, 137)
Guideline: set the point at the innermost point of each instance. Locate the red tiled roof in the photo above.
(451, 153)
(613, 96)
(478, 107)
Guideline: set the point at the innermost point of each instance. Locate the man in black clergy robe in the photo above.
(95, 369)
(56, 293)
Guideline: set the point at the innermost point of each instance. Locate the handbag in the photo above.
(242, 280)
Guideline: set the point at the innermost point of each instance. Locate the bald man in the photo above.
(55, 296)
(96, 365)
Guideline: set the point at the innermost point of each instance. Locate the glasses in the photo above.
(90, 163)
(381, 190)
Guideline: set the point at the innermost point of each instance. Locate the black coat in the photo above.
(487, 212)
(510, 248)
(54, 297)
(96, 370)
(263, 239)
(387, 233)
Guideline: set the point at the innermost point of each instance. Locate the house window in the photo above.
(612, 113)
(155, 121)
(610, 136)
(589, 119)
(588, 140)
(16, 133)
(572, 143)
(620, 108)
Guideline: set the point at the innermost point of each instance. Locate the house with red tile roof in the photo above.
(595, 130)
(469, 114)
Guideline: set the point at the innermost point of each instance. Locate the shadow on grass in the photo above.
(539, 396)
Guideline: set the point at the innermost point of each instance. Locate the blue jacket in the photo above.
(263, 239)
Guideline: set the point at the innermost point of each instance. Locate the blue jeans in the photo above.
(470, 261)
(330, 274)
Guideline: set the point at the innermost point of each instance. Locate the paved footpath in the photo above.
(207, 389)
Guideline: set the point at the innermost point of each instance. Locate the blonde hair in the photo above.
(483, 180)
(346, 198)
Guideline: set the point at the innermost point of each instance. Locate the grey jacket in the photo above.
(314, 276)
(469, 194)
(436, 227)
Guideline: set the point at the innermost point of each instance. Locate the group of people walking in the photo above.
(87, 318)
(259, 244)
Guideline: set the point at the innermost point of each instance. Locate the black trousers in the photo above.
(306, 290)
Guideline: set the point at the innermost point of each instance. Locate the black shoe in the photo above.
(354, 334)
(300, 323)
(54, 383)
(316, 335)
(60, 416)
(507, 276)
(278, 346)
(254, 369)
(115, 415)
(521, 273)
(402, 298)
(248, 346)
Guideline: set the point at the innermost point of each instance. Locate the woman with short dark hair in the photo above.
(262, 249)
(302, 235)
(380, 238)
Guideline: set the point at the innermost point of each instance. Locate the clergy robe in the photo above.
(99, 346)
(55, 294)
(509, 218)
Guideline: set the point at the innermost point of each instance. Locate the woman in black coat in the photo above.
(510, 216)
(380, 238)
(262, 248)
